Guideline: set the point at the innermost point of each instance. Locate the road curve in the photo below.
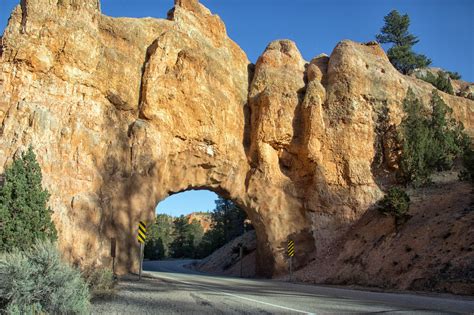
(170, 288)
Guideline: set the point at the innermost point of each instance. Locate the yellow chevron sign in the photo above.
(291, 248)
(141, 232)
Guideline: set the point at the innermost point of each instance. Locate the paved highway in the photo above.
(170, 288)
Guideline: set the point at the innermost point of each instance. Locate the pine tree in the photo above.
(227, 224)
(395, 31)
(187, 237)
(228, 219)
(160, 236)
(416, 142)
(430, 141)
(25, 216)
(448, 138)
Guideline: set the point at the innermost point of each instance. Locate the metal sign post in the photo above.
(113, 249)
(291, 253)
(141, 262)
(291, 268)
(141, 237)
(241, 256)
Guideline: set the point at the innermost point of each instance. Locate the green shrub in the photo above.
(454, 75)
(395, 203)
(441, 81)
(101, 281)
(24, 214)
(39, 281)
(467, 173)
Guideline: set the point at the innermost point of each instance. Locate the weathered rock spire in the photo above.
(187, 4)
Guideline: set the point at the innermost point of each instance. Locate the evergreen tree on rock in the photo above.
(395, 31)
(431, 139)
(24, 214)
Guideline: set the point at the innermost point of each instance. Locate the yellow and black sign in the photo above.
(141, 232)
(291, 248)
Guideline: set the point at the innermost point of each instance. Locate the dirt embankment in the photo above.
(432, 251)
(225, 260)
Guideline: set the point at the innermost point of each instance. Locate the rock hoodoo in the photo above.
(123, 112)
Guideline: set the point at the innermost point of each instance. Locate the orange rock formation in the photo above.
(122, 112)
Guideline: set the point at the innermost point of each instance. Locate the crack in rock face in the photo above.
(123, 112)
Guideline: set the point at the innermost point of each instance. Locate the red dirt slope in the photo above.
(432, 251)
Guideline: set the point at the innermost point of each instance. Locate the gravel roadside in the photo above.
(156, 296)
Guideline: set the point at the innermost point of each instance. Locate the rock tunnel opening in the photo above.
(204, 231)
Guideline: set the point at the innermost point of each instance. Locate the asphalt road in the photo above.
(170, 288)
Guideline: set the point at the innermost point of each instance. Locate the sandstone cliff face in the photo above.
(123, 112)
(204, 219)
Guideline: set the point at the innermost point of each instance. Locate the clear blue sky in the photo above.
(187, 202)
(445, 28)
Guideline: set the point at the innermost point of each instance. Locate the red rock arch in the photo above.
(121, 112)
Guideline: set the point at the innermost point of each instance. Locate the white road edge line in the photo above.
(238, 296)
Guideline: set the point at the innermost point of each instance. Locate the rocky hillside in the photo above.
(460, 87)
(124, 112)
(433, 250)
